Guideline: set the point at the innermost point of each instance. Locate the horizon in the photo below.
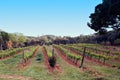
(48, 17)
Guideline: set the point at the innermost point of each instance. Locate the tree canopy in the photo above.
(106, 15)
(4, 38)
(18, 39)
(9, 40)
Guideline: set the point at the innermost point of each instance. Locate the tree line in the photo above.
(15, 40)
(11, 40)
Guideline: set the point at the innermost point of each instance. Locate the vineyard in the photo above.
(59, 40)
(61, 62)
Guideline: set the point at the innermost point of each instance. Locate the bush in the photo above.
(52, 61)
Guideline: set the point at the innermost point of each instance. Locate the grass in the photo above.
(37, 70)
(107, 72)
(10, 65)
(70, 72)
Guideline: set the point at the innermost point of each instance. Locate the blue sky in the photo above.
(40, 17)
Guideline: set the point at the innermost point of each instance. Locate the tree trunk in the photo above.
(1, 47)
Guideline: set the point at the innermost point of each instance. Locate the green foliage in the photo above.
(17, 39)
(48, 52)
(51, 58)
(39, 56)
(29, 54)
(13, 38)
(4, 37)
(10, 52)
(117, 53)
(75, 48)
(69, 54)
(97, 56)
(90, 52)
(106, 15)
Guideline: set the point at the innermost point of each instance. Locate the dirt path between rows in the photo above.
(46, 60)
(91, 60)
(93, 72)
(50, 69)
(25, 65)
(64, 57)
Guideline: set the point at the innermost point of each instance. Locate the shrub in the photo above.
(52, 61)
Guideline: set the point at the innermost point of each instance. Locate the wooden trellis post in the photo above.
(53, 52)
(83, 57)
(23, 60)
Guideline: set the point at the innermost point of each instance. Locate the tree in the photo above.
(106, 15)
(22, 39)
(4, 38)
(18, 39)
(14, 39)
(1, 41)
